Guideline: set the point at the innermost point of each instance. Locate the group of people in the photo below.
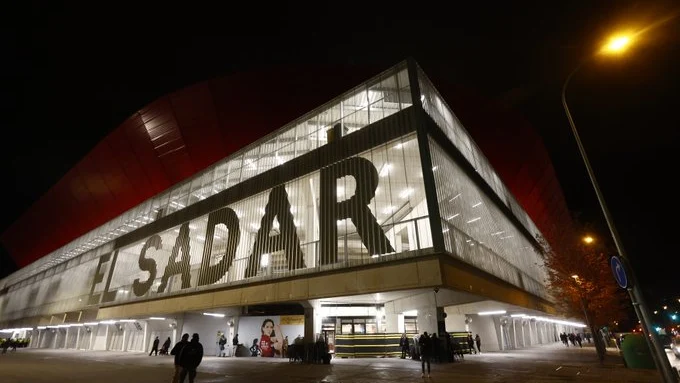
(429, 348)
(188, 355)
(164, 350)
(572, 338)
(9, 343)
(222, 345)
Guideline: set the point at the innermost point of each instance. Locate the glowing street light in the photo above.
(617, 44)
(588, 239)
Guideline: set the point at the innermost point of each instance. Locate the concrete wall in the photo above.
(454, 321)
(207, 328)
(487, 330)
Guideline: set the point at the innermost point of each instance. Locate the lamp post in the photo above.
(615, 46)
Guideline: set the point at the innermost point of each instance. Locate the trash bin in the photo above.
(636, 352)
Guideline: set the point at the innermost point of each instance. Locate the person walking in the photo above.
(190, 358)
(403, 343)
(478, 340)
(234, 345)
(425, 344)
(176, 351)
(165, 349)
(154, 347)
(221, 345)
(471, 344)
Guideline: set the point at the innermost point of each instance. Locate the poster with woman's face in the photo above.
(270, 333)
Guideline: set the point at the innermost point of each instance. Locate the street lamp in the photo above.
(617, 45)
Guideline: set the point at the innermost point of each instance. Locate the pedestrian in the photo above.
(579, 340)
(284, 347)
(190, 358)
(425, 344)
(221, 344)
(154, 347)
(234, 344)
(478, 340)
(403, 343)
(176, 351)
(166, 346)
(255, 348)
(471, 344)
(435, 348)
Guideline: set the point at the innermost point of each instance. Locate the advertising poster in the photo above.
(270, 333)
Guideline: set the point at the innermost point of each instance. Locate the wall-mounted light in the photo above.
(214, 315)
(497, 312)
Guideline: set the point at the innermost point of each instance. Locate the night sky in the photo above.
(71, 75)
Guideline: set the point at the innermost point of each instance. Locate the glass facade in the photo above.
(269, 235)
(378, 98)
(478, 232)
(435, 106)
(361, 204)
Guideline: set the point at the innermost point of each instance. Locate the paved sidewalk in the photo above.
(549, 363)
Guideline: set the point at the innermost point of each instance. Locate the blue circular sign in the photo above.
(619, 272)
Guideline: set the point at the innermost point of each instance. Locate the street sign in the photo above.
(619, 271)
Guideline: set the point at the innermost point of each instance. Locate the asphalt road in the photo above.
(550, 363)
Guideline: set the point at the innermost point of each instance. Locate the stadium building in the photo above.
(374, 214)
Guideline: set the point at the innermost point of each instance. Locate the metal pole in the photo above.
(659, 355)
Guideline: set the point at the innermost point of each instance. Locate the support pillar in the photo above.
(92, 331)
(125, 332)
(56, 337)
(78, 339)
(106, 337)
(309, 325)
(146, 334)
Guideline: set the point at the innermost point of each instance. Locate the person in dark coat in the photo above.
(154, 347)
(190, 358)
(176, 351)
(471, 344)
(403, 343)
(425, 344)
(166, 346)
(234, 345)
(478, 340)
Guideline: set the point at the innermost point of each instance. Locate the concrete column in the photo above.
(146, 334)
(92, 331)
(392, 322)
(514, 334)
(125, 332)
(37, 345)
(455, 321)
(427, 319)
(309, 324)
(78, 339)
(56, 336)
(106, 337)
